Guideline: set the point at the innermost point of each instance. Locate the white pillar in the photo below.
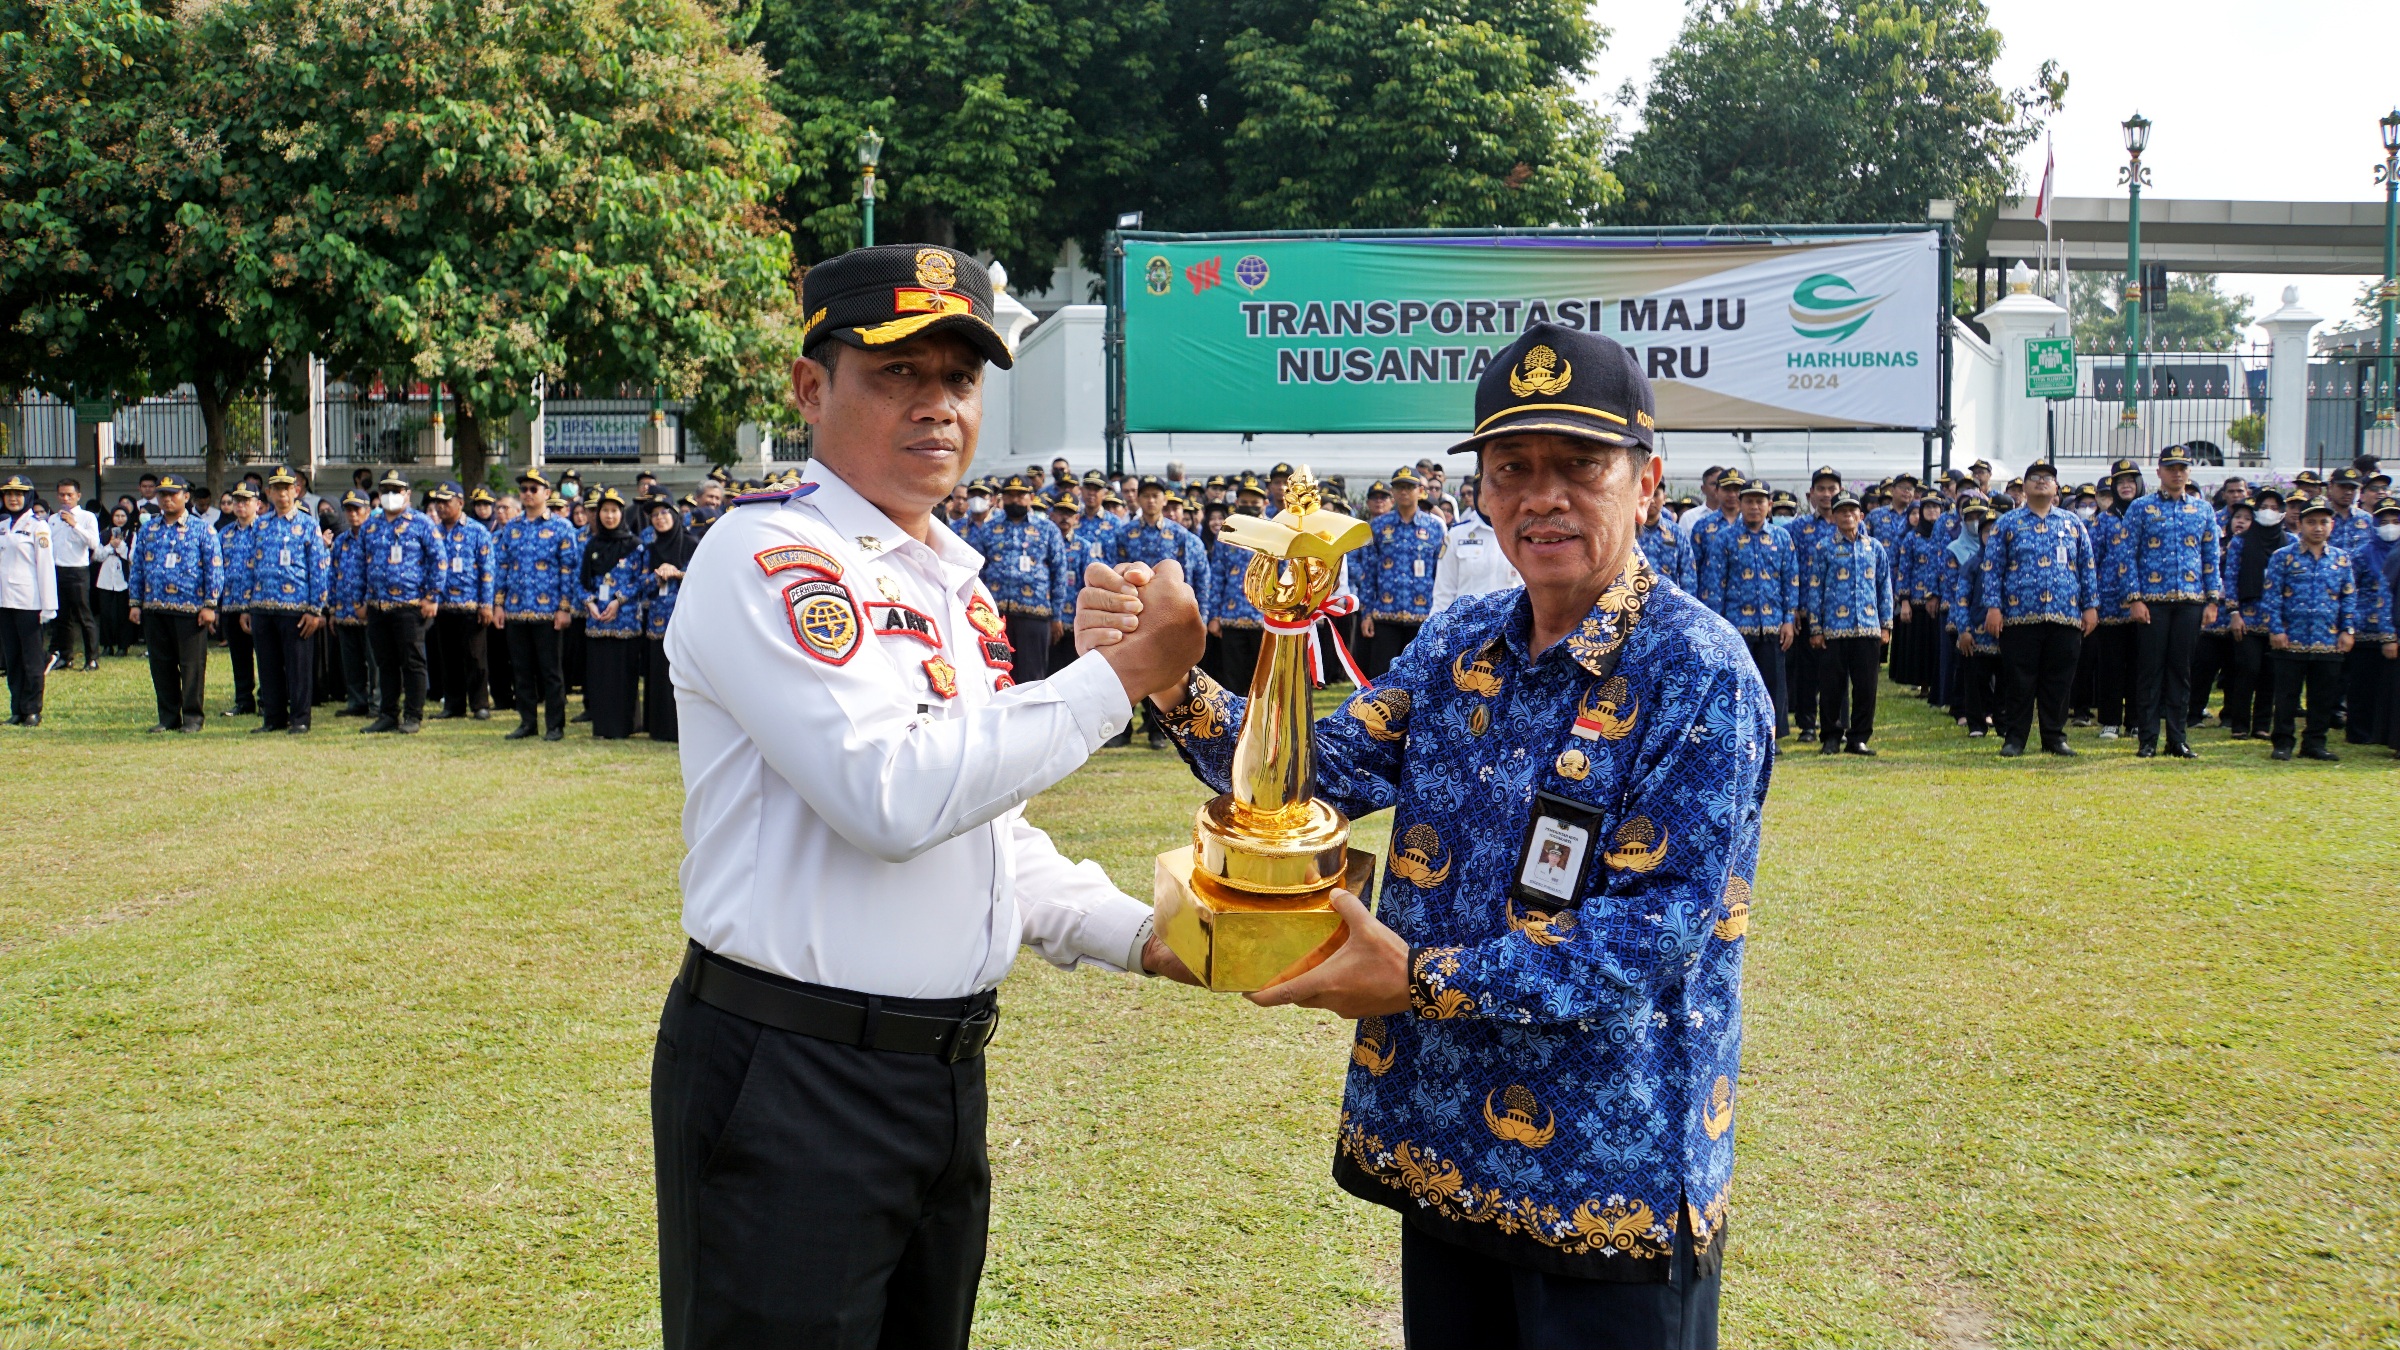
(2021, 423)
(2287, 382)
(312, 433)
(535, 423)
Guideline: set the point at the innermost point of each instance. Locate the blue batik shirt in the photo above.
(2112, 567)
(2170, 550)
(1671, 554)
(1228, 601)
(2311, 598)
(237, 546)
(2042, 565)
(1848, 593)
(1026, 564)
(1562, 1090)
(466, 564)
(1154, 544)
(2374, 596)
(1704, 536)
(177, 569)
(2351, 529)
(349, 589)
(1887, 525)
(623, 584)
(1917, 566)
(1084, 547)
(289, 570)
(1395, 570)
(402, 558)
(1809, 533)
(1967, 592)
(534, 568)
(1755, 582)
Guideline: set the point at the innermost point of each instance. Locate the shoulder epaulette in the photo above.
(778, 494)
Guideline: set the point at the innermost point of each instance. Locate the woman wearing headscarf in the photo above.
(2112, 643)
(2250, 701)
(2212, 658)
(1917, 569)
(2376, 562)
(670, 551)
(613, 577)
(109, 589)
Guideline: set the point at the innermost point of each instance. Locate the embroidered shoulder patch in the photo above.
(824, 619)
(890, 618)
(942, 676)
(786, 557)
(987, 620)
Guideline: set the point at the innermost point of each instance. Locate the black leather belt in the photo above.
(950, 1030)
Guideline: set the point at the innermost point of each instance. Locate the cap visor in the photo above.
(1547, 425)
(970, 326)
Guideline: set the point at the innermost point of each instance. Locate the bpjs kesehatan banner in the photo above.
(1368, 334)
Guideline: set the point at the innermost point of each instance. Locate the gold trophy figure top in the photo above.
(1248, 905)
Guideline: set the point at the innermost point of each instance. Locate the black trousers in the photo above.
(1455, 1299)
(813, 1194)
(534, 651)
(611, 668)
(244, 654)
(287, 668)
(464, 683)
(1979, 696)
(75, 617)
(1846, 688)
(178, 648)
(396, 636)
(1242, 646)
(1031, 637)
(658, 693)
(1391, 638)
(1767, 654)
(2037, 667)
(2250, 693)
(26, 658)
(2212, 657)
(2116, 677)
(500, 674)
(1803, 673)
(2083, 687)
(2162, 679)
(358, 667)
(2362, 675)
(2318, 675)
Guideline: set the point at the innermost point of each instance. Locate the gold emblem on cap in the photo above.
(1534, 375)
(936, 268)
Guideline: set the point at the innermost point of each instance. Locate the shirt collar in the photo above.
(1602, 631)
(854, 517)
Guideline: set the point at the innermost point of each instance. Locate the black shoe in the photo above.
(2146, 752)
(264, 727)
(523, 731)
(2320, 754)
(297, 729)
(2281, 753)
(584, 716)
(191, 728)
(445, 715)
(1829, 748)
(1979, 732)
(35, 720)
(411, 726)
(555, 734)
(1859, 748)
(2057, 747)
(1124, 737)
(379, 726)
(2011, 749)
(2238, 734)
(2183, 752)
(158, 727)
(482, 714)
(354, 711)
(1157, 742)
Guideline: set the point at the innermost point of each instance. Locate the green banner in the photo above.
(1390, 334)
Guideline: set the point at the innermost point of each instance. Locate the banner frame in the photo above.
(1114, 254)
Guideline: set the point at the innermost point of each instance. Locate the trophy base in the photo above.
(1237, 943)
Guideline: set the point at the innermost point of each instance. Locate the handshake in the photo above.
(1145, 621)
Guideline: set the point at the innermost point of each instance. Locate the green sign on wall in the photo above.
(2049, 367)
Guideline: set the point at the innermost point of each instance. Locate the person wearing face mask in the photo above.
(347, 596)
(1916, 574)
(979, 507)
(2310, 601)
(2249, 699)
(28, 599)
(1027, 568)
(2212, 655)
(2110, 653)
(1967, 590)
(401, 566)
(2376, 655)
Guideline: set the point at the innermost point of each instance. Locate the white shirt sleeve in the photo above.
(1445, 573)
(891, 782)
(1071, 911)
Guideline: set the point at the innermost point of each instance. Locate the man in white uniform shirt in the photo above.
(859, 873)
(74, 542)
(1471, 563)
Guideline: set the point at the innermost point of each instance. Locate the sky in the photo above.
(2263, 102)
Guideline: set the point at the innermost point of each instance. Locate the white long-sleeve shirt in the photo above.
(1471, 563)
(28, 577)
(75, 536)
(853, 778)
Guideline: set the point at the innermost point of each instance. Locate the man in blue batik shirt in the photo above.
(1753, 579)
(1395, 573)
(401, 556)
(1026, 565)
(172, 588)
(1544, 1076)
(1150, 540)
(2311, 609)
(2043, 600)
(2166, 557)
(290, 582)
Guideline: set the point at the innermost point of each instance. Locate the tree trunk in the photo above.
(467, 449)
(212, 422)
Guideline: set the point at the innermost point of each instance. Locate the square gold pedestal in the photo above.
(1237, 943)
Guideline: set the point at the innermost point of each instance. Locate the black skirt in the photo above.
(658, 695)
(611, 666)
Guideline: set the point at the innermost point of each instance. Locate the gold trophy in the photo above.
(1250, 902)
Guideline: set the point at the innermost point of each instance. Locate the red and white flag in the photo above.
(2041, 203)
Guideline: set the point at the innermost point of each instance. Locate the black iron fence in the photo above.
(2212, 398)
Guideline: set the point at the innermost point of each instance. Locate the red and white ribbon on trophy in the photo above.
(1333, 608)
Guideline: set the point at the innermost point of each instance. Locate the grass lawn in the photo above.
(346, 1041)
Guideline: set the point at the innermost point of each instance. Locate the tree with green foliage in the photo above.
(2199, 314)
(478, 195)
(1827, 111)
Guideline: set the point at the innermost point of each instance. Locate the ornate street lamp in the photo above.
(870, 149)
(2388, 174)
(2134, 178)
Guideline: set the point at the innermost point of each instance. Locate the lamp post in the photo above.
(2133, 176)
(2388, 173)
(870, 149)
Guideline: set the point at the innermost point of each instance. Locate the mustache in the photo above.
(1550, 524)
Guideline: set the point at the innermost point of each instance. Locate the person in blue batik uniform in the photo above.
(1028, 569)
(1917, 586)
(534, 563)
(2042, 602)
(2374, 700)
(2311, 608)
(614, 575)
(347, 597)
(1847, 601)
(1395, 573)
(1965, 591)
(1810, 529)
(172, 589)
(1084, 547)
(290, 582)
(1669, 553)
(1754, 581)
(1232, 619)
(465, 614)
(1889, 523)
(237, 545)
(2166, 557)
(403, 570)
(1151, 540)
(672, 544)
(1544, 1077)
(2353, 524)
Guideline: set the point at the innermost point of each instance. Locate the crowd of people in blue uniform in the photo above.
(2017, 606)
